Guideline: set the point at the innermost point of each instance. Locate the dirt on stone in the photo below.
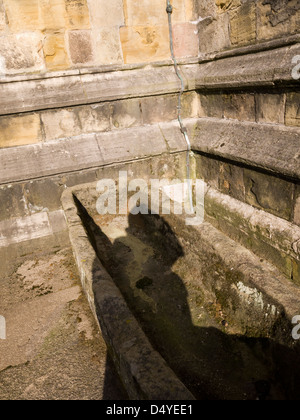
(53, 349)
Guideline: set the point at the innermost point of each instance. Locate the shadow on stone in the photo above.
(211, 363)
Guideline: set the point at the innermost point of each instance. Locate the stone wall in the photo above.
(226, 24)
(87, 84)
(53, 35)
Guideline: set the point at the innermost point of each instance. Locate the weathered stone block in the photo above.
(20, 130)
(190, 105)
(47, 15)
(106, 13)
(214, 33)
(186, 40)
(190, 10)
(270, 108)
(107, 46)
(231, 181)
(277, 18)
(56, 56)
(60, 124)
(2, 17)
(145, 13)
(208, 169)
(243, 24)
(22, 15)
(233, 106)
(12, 201)
(224, 5)
(206, 8)
(292, 115)
(78, 14)
(239, 106)
(269, 193)
(21, 53)
(94, 118)
(126, 114)
(160, 108)
(296, 218)
(145, 44)
(211, 105)
(43, 194)
(80, 45)
(52, 14)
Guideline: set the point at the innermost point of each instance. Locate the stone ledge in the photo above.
(88, 151)
(273, 148)
(268, 236)
(264, 68)
(260, 69)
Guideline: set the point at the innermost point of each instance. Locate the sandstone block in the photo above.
(159, 108)
(55, 53)
(149, 13)
(232, 106)
(95, 118)
(22, 15)
(190, 10)
(2, 17)
(145, 44)
(186, 40)
(297, 207)
(292, 115)
(106, 13)
(239, 107)
(78, 14)
(21, 53)
(107, 46)
(224, 5)
(126, 113)
(52, 14)
(276, 19)
(243, 24)
(214, 34)
(20, 130)
(270, 108)
(269, 193)
(59, 124)
(80, 46)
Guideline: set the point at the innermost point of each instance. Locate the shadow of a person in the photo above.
(211, 363)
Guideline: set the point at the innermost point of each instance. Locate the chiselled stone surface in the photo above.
(60, 124)
(21, 53)
(145, 13)
(243, 24)
(47, 15)
(80, 44)
(186, 41)
(95, 117)
(215, 33)
(23, 15)
(20, 130)
(106, 13)
(292, 116)
(107, 45)
(2, 17)
(145, 44)
(77, 14)
(277, 18)
(270, 108)
(56, 56)
(224, 5)
(297, 207)
(232, 106)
